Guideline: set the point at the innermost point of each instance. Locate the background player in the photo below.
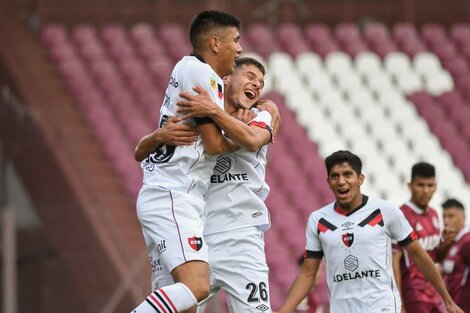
(170, 205)
(236, 213)
(417, 293)
(456, 248)
(354, 235)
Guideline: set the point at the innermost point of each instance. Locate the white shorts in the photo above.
(237, 264)
(172, 224)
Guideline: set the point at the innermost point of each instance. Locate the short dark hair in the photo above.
(453, 203)
(342, 156)
(423, 169)
(250, 61)
(206, 21)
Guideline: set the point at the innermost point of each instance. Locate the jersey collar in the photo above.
(416, 209)
(340, 211)
(462, 232)
(197, 56)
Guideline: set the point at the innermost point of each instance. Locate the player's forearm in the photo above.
(241, 134)
(430, 272)
(215, 143)
(297, 292)
(146, 146)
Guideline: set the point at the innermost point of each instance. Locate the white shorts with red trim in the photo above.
(237, 264)
(172, 224)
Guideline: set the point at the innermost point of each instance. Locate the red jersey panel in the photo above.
(426, 226)
(456, 270)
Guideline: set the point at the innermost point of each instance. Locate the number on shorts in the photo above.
(263, 292)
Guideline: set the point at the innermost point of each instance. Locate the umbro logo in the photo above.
(262, 307)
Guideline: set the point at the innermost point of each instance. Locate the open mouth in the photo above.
(250, 94)
(343, 191)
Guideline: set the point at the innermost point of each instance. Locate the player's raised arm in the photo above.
(172, 133)
(245, 136)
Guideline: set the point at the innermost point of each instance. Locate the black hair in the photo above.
(250, 61)
(342, 156)
(452, 203)
(423, 169)
(206, 21)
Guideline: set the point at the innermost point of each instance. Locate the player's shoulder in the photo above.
(385, 206)
(322, 212)
(193, 67)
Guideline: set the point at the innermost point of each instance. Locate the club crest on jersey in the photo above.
(195, 243)
(213, 83)
(348, 239)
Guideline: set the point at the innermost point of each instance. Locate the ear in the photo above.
(361, 179)
(214, 43)
(226, 80)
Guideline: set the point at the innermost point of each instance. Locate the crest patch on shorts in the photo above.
(195, 243)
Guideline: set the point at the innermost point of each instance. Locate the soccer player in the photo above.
(236, 213)
(354, 235)
(416, 292)
(456, 244)
(171, 205)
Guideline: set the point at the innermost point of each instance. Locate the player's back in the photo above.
(184, 168)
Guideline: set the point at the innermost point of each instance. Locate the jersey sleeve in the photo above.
(263, 120)
(200, 74)
(398, 226)
(313, 246)
(465, 253)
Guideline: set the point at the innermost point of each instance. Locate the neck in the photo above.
(211, 59)
(422, 208)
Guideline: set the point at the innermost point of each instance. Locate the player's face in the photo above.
(229, 50)
(422, 190)
(346, 185)
(244, 86)
(454, 219)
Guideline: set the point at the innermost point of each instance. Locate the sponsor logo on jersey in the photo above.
(213, 83)
(221, 174)
(173, 82)
(351, 263)
(161, 246)
(256, 214)
(324, 226)
(430, 242)
(156, 264)
(195, 243)
(373, 219)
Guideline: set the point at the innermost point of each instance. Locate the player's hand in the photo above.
(176, 133)
(448, 235)
(199, 104)
(453, 308)
(245, 115)
(271, 107)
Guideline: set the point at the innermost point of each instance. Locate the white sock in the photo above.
(168, 299)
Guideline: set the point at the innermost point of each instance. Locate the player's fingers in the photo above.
(200, 90)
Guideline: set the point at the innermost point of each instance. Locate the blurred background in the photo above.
(82, 81)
